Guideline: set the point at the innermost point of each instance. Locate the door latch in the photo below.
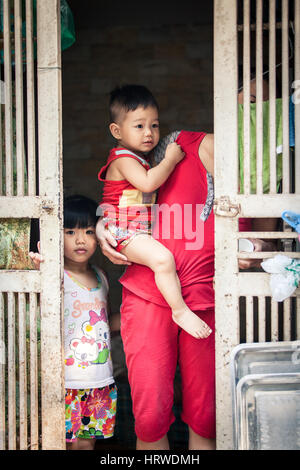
(224, 207)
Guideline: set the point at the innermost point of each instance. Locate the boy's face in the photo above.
(137, 130)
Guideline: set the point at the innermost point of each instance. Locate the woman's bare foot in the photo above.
(191, 323)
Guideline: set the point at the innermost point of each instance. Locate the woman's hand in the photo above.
(108, 243)
(259, 245)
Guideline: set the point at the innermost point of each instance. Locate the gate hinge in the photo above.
(224, 207)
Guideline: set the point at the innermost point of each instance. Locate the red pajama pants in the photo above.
(153, 344)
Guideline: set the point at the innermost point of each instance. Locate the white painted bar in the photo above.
(11, 362)
(2, 375)
(271, 235)
(274, 320)
(246, 94)
(267, 254)
(285, 98)
(24, 207)
(31, 146)
(259, 99)
(50, 166)
(22, 372)
(261, 319)
(20, 281)
(287, 320)
(226, 137)
(249, 320)
(272, 94)
(273, 204)
(34, 404)
(19, 98)
(8, 99)
(262, 284)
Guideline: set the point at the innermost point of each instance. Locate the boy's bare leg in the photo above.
(197, 442)
(162, 444)
(147, 251)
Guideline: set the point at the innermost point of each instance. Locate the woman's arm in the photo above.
(107, 244)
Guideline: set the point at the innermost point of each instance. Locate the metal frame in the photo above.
(38, 292)
(230, 284)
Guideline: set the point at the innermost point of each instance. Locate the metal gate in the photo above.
(31, 369)
(252, 34)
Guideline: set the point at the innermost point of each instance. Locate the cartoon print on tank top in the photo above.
(92, 347)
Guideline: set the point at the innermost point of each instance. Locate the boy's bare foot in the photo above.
(191, 323)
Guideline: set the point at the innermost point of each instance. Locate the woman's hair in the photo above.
(80, 212)
(129, 98)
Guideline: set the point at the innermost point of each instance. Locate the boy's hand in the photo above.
(36, 257)
(107, 244)
(174, 153)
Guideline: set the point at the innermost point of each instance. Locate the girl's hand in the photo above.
(36, 257)
(174, 153)
(107, 244)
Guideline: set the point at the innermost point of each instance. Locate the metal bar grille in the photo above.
(31, 362)
(264, 320)
(270, 186)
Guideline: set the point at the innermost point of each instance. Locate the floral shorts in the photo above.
(90, 413)
(123, 235)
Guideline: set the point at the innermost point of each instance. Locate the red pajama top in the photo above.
(180, 228)
(122, 201)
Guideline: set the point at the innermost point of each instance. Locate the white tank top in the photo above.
(88, 361)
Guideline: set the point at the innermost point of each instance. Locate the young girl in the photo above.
(128, 194)
(91, 394)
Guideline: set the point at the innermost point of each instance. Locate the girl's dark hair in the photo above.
(129, 98)
(80, 212)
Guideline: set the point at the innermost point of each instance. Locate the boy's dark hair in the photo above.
(80, 212)
(129, 98)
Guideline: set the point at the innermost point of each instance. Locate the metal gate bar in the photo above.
(259, 98)
(244, 307)
(31, 350)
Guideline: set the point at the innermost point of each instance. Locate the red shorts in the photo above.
(153, 344)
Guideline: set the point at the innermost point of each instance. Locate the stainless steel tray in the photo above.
(268, 412)
(250, 358)
(261, 358)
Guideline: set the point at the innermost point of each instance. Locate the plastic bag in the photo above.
(285, 276)
(67, 28)
(293, 220)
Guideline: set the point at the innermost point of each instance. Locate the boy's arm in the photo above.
(148, 181)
